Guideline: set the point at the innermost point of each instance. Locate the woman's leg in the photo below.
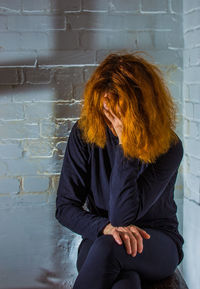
(127, 280)
(106, 259)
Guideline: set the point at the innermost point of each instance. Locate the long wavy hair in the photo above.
(148, 112)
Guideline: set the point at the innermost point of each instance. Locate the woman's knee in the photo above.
(105, 245)
(127, 279)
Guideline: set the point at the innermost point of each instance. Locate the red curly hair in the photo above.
(148, 112)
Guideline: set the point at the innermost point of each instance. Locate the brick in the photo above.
(64, 5)
(194, 129)
(10, 40)
(22, 167)
(194, 56)
(56, 129)
(36, 22)
(8, 76)
(191, 74)
(61, 147)
(9, 185)
(78, 91)
(67, 111)
(34, 40)
(95, 21)
(176, 89)
(11, 111)
(185, 92)
(191, 129)
(186, 127)
(13, 151)
(177, 6)
(18, 58)
(192, 38)
(190, 5)
(87, 73)
(3, 167)
(35, 183)
(39, 5)
(191, 20)
(192, 147)
(197, 111)
(17, 130)
(188, 107)
(69, 57)
(64, 91)
(150, 22)
(55, 182)
(6, 95)
(36, 111)
(73, 75)
(194, 95)
(146, 40)
(94, 5)
(107, 40)
(192, 182)
(158, 40)
(37, 92)
(194, 165)
(129, 5)
(195, 196)
(63, 40)
(175, 38)
(34, 166)
(9, 5)
(186, 57)
(39, 148)
(3, 22)
(36, 75)
(154, 5)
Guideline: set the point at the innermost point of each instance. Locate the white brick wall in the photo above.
(191, 94)
(48, 50)
(191, 134)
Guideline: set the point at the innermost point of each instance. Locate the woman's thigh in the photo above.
(83, 250)
(158, 259)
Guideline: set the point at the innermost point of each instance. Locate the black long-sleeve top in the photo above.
(116, 189)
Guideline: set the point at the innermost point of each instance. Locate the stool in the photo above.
(174, 281)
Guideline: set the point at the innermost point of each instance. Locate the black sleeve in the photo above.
(72, 190)
(133, 194)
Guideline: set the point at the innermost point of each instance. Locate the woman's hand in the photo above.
(116, 123)
(131, 235)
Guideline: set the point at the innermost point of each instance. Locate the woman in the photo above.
(123, 156)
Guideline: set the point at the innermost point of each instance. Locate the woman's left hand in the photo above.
(115, 121)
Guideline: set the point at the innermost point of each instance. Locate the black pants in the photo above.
(104, 264)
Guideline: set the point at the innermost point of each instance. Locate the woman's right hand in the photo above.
(132, 236)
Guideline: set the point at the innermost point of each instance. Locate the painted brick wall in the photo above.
(192, 99)
(191, 124)
(48, 50)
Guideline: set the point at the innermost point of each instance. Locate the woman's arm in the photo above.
(72, 190)
(131, 194)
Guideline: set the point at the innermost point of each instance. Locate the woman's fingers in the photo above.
(127, 242)
(139, 240)
(144, 233)
(134, 245)
(117, 237)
